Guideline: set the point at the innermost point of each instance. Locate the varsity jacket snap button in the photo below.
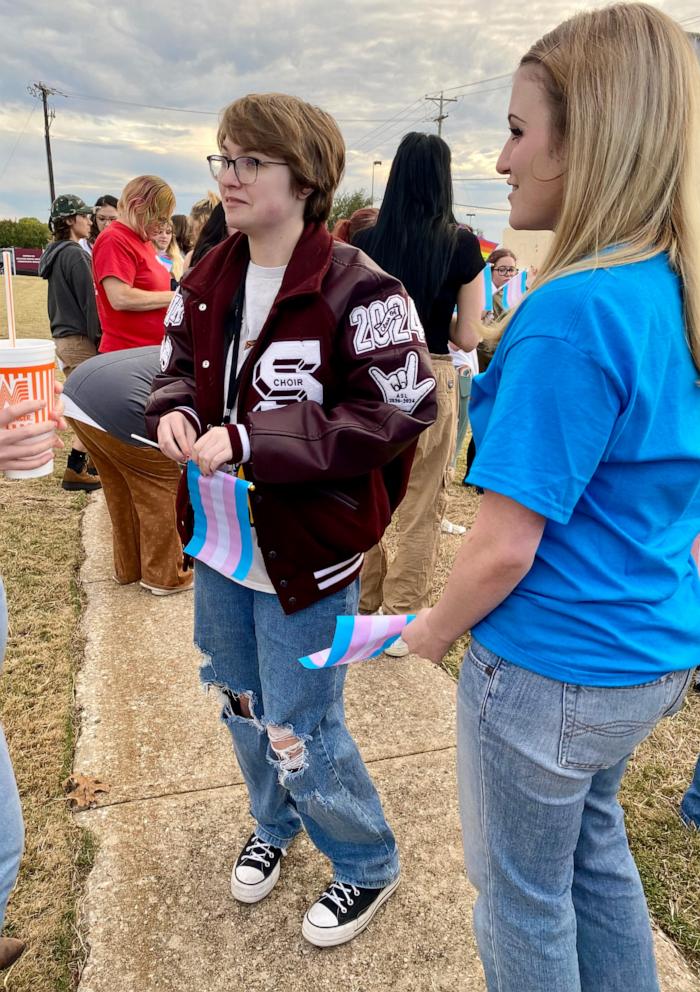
(202, 306)
(205, 363)
(257, 498)
(292, 601)
(283, 584)
(272, 555)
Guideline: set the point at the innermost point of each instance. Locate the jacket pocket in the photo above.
(343, 498)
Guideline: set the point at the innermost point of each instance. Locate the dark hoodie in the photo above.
(72, 303)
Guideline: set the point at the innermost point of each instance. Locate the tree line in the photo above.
(27, 232)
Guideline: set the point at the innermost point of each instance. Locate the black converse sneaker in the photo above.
(342, 912)
(256, 870)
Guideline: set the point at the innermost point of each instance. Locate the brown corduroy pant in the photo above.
(140, 486)
(404, 585)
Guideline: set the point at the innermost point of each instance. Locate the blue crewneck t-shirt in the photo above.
(589, 414)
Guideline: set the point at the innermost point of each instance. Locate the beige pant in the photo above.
(404, 586)
(140, 487)
(72, 350)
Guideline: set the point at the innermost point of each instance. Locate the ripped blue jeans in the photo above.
(320, 781)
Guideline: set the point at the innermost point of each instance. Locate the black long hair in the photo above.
(101, 201)
(416, 231)
(212, 234)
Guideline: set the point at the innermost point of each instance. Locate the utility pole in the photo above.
(441, 101)
(42, 91)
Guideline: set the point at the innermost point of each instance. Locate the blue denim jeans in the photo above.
(250, 650)
(690, 804)
(560, 906)
(11, 826)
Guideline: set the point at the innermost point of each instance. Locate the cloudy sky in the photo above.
(141, 84)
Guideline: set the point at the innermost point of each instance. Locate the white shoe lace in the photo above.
(259, 851)
(338, 893)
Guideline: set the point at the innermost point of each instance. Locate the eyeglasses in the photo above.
(101, 219)
(245, 166)
(504, 270)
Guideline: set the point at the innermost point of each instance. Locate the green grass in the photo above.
(40, 554)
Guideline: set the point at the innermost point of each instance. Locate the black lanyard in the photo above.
(233, 324)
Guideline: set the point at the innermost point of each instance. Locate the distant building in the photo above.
(530, 247)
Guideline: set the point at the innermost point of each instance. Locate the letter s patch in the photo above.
(283, 374)
(176, 311)
(166, 353)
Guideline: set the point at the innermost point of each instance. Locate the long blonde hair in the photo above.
(623, 85)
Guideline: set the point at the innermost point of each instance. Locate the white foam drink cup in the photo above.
(27, 373)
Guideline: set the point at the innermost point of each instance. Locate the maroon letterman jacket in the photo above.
(331, 401)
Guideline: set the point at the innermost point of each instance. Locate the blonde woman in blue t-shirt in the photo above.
(577, 579)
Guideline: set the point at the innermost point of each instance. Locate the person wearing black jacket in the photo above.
(75, 326)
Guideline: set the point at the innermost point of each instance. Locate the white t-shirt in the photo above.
(464, 359)
(261, 287)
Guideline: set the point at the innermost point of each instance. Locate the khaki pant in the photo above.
(140, 486)
(404, 586)
(72, 350)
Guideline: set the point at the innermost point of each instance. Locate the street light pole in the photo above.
(375, 163)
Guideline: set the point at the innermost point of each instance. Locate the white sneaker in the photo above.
(447, 527)
(256, 870)
(158, 591)
(399, 649)
(342, 912)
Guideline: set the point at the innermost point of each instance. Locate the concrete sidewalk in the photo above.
(158, 912)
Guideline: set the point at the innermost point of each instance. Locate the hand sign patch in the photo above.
(401, 388)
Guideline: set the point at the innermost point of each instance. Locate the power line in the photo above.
(390, 132)
(19, 138)
(478, 82)
(205, 113)
(408, 109)
(477, 206)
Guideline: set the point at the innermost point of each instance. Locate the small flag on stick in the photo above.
(222, 537)
(514, 290)
(358, 638)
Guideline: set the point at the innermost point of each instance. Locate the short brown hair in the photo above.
(60, 228)
(307, 138)
(498, 253)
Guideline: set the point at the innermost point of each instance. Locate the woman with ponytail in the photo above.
(577, 579)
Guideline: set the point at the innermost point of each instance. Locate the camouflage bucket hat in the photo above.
(68, 206)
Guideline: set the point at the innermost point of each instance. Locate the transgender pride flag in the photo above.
(514, 290)
(358, 638)
(222, 536)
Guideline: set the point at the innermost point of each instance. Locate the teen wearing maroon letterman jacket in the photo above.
(332, 396)
(295, 357)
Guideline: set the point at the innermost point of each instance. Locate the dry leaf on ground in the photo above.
(82, 790)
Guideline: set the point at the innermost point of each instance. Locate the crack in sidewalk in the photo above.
(234, 785)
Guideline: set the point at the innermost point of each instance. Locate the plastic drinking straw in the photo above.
(9, 300)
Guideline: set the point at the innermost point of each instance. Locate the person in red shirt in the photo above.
(133, 294)
(133, 288)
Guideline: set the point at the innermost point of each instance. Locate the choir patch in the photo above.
(283, 374)
(401, 388)
(385, 322)
(175, 312)
(166, 353)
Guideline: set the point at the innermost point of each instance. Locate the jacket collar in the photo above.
(306, 269)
